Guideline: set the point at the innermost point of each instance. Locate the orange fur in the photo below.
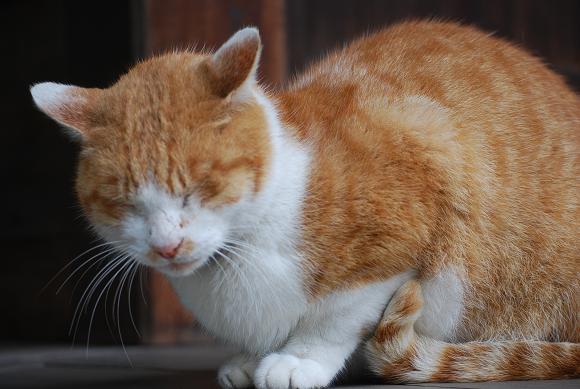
(435, 145)
(432, 146)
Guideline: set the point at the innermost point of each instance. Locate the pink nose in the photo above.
(168, 251)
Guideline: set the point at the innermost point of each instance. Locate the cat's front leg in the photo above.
(238, 372)
(307, 361)
(326, 336)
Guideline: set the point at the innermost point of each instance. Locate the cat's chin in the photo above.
(180, 269)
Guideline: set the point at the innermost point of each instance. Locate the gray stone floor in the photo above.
(155, 367)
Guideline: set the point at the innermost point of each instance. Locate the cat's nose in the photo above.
(168, 251)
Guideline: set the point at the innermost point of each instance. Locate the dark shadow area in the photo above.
(84, 43)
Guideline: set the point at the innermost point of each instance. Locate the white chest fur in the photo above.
(258, 306)
(257, 310)
(251, 305)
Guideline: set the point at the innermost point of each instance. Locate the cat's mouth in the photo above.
(180, 268)
(185, 266)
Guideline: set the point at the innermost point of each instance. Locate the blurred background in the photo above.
(91, 43)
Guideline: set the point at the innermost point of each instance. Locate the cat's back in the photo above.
(438, 117)
(459, 67)
(477, 100)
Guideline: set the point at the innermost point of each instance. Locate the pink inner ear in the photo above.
(68, 105)
(235, 61)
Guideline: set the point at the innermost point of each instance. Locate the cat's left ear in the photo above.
(69, 105)
(233, 67)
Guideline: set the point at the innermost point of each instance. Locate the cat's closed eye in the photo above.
(186, 200)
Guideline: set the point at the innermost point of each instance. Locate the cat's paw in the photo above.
(237, 373)
(284, 371)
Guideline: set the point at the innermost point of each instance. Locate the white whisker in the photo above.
(71, 263)
(109, 283)
(134, 272)
(141, 270)
(128, 271)
(89, 290)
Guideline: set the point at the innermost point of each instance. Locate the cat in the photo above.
(413, 196)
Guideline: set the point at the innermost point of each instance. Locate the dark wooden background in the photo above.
(92, 43)
(40, 229)
(549, 29)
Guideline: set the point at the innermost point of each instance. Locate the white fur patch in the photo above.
(237, 373)
(49, 96)
(283, 371)
(54, 99)
(443, 304)
(426, 361)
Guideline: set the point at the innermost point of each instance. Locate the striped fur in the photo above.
(398, 353)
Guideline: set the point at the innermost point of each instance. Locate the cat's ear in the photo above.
(233, 66)
(69, 105)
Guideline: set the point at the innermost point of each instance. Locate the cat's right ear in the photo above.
(232, 68)
(68, 105)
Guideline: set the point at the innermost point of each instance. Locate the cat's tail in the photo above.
(398, 354)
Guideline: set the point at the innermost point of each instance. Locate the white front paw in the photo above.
(237, 373)
(284, 371)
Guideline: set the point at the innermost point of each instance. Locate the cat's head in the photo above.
(172, 153)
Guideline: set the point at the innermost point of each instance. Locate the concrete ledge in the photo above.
(157, 367)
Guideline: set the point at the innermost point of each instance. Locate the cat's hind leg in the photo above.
(391, 350)
(397, 353)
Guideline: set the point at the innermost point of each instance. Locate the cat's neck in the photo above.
(277, 217)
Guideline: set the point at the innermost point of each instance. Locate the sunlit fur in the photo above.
(427, 151)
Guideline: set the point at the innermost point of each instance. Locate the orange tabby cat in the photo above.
(428, 164)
